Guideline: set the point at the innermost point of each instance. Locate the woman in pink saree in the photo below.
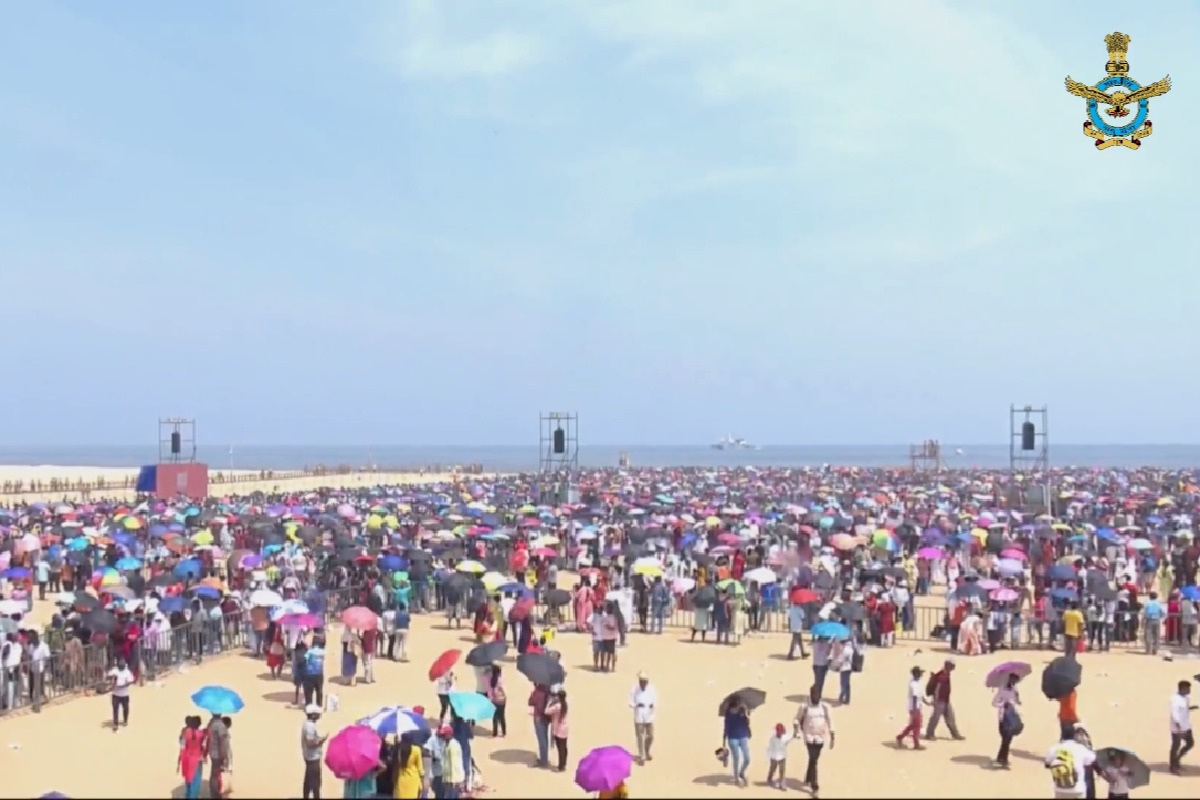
(583, 608)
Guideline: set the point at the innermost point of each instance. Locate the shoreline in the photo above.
(50, 482)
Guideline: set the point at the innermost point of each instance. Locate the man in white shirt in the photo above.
(1069, 762)
(644, 701)
(39, 657)
(913, 706)
(122, 679)
(1182, 740)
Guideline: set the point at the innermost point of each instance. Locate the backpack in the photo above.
(1063, 771)
(1011, 723)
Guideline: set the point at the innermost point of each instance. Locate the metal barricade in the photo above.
(78, 669)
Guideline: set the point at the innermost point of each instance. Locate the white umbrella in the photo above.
(265, 598)
(762, 575)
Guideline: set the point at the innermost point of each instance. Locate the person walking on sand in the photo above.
(644, 702)
(814, 723)
(938, 690)
(311, 745)
(735, 740)
(1182, 740)
(916, 698)
(1005, 702)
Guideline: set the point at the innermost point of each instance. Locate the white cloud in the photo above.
(417, 42)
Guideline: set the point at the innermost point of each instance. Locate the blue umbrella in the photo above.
(396, 721)
(128, 562)
(219, 700)
(169, 605)
(392, 563)
(15, 573)
(207, 593)
(189, 568)
(830, 630)
(78, 543)
(1191, 593)
(472, 706)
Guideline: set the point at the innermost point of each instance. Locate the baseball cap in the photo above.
(642, 676)
(312, 708)
(445, 730)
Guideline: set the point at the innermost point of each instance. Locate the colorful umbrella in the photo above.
(360, 618)
(998, 676)
(353, 752)
(604, 769)
(472, 706)
(218, 700)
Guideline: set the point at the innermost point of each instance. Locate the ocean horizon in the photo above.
(518, 458)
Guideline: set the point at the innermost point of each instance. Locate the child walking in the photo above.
(777, 747)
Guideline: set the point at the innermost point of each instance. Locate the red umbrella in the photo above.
(360, 618)
(444, 663)
(521, 609)
(799, 597)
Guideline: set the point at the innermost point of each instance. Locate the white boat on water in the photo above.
(733, 443)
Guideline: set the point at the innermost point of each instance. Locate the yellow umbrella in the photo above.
(391, 521)
(1058, 526)
(648, 570)
(202, 538)
(979, 533)
(527, 509)
(546, 541)
(131, 523)
(472, 567)
(1165, 501)
(730, 585)
(374, 522)
(712, 522)
(493, 581)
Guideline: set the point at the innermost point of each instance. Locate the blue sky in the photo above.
(423, 223)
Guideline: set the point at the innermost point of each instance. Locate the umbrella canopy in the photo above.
(541, 668)
(557, 597)
(1136, 772)
(397, 721)
(360, 618)
(472, 706)
(830, 630)
(444, 663)
(1061, 677)
(486, 654)
(604, 769)
(99, 621)
(218, 700)
(998, 676)
(353, 752)
(750, 697)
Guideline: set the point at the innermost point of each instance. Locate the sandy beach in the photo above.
(248, 481)
(1123, 701)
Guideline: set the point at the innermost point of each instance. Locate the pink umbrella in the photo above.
(353, 752)
(930, 552)
(1010, 553)
(360, 618)
(729, 538)
(1003, 595)
(989, 584)
(309, 621)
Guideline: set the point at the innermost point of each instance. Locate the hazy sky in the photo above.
(425, 222)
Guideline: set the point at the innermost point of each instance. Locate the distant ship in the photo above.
(731, 443)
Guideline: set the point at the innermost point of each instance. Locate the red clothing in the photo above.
(887, 617)
(939, 686)
(191, 751)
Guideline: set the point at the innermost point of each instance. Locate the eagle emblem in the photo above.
(1116, 130)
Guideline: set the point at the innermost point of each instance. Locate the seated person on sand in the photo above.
(970, 635)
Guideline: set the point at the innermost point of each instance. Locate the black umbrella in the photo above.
(419, 555)
(487, 654)
(99, 621)
(704, 597)
(1061, 677)
(852, 612)
(541, 668)
(1139, 773)
(1103, 592)
(557, 597)
(750, 697)
(85, 602)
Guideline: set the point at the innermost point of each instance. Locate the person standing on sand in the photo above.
(916, 698)
(644, 701)
(1007, 698)
(218, 753)
(311, 745)
(735, 739)
(191, 757)
(796, 626)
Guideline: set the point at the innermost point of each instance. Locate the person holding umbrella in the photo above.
(735, 737)
(1123, 770)
(1005, 701)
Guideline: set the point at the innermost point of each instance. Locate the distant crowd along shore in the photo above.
(129, 482)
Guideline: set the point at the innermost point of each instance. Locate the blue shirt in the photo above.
(796, 619)
(737, 726)
(314, 661)
(403, 620)
(1153, 610)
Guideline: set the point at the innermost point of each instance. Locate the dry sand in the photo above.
(116, 475)
(1123, 700)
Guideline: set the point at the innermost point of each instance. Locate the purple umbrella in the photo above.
(999, 675)
(604, 769)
